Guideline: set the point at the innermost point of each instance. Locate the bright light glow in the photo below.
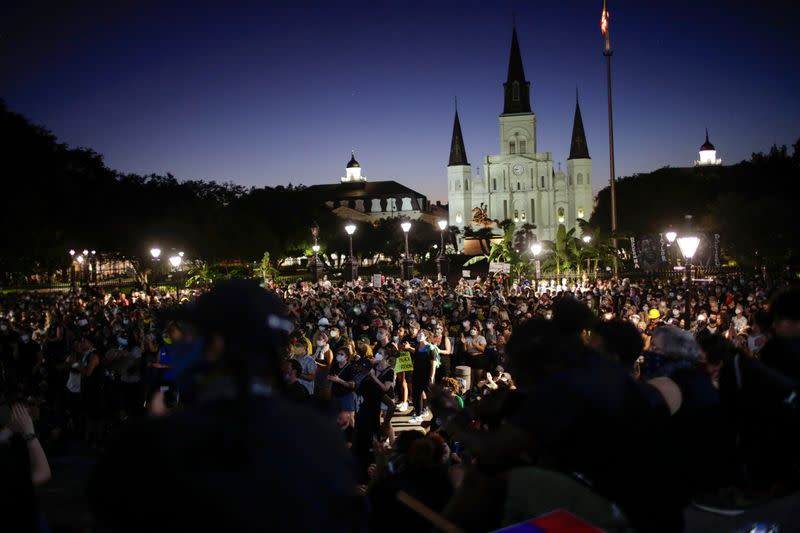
(587, 239)
(350, 229)
(435, 246)
(406, 226)
(155, 252)
(561, 220)
(94, 252)
(458, 218)
(536, 249)
(80, 259)
(708, 157)
(442, 224)
(86, 252)
(315, 248)
(72, 252)
(334, 257)
(671, 236)
(688, 246)
(180, 254)
(175, 261)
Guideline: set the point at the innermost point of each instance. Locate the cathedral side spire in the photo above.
(516, 87)
(578, 148)
(458, 155)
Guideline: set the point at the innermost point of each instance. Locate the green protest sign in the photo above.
(404, 363)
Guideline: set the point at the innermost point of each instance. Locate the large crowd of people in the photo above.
(361, 407)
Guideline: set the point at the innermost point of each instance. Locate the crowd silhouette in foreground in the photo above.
(403, 407)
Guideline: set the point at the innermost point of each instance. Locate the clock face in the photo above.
(517, 170)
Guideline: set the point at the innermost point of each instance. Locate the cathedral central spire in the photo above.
(458, 155)
(516, 87)
(578, 149)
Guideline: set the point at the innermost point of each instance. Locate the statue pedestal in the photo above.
(316, 266)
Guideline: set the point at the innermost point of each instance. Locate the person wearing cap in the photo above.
(215, 464)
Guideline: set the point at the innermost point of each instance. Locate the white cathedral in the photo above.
(520, 182)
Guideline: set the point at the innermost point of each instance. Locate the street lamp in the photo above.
(536, 249)
(155, 252)
(688, 245)
(671, 236)
(350, 266)
(80, 259)
(175, 261)
(442, 262)
(586, 240)
(406, 263)
(315, 265)
(72, 253)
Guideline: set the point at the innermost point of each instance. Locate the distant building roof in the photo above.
(364, 189)
(578, 148)
(353, 163)
(707, 145)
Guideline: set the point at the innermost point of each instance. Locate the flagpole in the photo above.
(607, 51)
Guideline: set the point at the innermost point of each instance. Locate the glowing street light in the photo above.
(315, 248)
(175, 261)
(350, 266)
(688, 246)
(80, 259)
(72, 253)
(155, 252)
(406, 264)
(671, 236)
(536, 249)
(85, 253)
(587, 239)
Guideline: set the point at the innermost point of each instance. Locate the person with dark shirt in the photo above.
(583, 415)
(424, 373)
(214, 464)
(23, 466)
(292, 387)
(373, 390)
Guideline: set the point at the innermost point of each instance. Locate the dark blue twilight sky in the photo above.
(264, 94)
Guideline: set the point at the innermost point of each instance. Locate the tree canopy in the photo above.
(749, 204)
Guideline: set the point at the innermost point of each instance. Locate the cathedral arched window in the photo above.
(494, 183)
(560, 215)
(458, 185)
(522, 146)
(542, 182)
(515, 91)
(569, 179)
(581, 213)
(466, 185)
(512, 147)
(580, 178)
(518, 186)
(522, 216)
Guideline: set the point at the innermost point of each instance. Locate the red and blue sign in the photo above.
(555, 522)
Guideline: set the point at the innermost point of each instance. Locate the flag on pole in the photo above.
(604, 27)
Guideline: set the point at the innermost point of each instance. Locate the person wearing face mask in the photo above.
(341, 376)
(377, 388)
(389, 348)
(424, 358)
(475, 347)
(442, 342)
(308, 367)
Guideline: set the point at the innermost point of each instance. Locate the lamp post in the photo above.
(586, 240)
(406, 263)
(688, 245)
(71, 268)
(536, 249)
(442, 262)
(155, 253)
(175, 261)
(350, 265)
(671, 235)
(315, 265)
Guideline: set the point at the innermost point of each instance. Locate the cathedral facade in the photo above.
(520, 183)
